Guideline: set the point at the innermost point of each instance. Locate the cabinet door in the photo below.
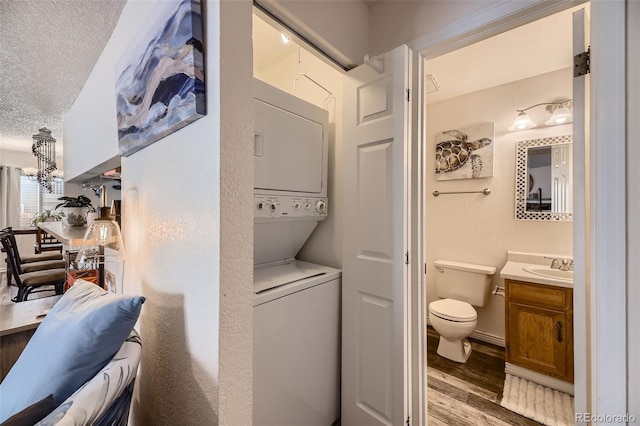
(540, 339)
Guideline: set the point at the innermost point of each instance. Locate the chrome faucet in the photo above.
(564, 265)
(555, 263)
(567, 265)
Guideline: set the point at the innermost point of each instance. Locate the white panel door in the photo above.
(375, 291)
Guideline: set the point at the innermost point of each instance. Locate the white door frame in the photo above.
(606, 390)
(633, 207)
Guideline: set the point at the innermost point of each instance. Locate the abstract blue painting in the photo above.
(160, 79)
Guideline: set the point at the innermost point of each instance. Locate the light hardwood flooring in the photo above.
(5, 290)
(468, 394)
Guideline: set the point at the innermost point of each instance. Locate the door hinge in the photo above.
(408, 422)
(406, 258)
(408, 95)
(582, 63)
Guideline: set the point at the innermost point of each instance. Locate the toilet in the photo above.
(460, 287)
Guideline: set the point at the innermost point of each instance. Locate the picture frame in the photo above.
(160, 80)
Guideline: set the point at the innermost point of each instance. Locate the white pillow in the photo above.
(95, 397)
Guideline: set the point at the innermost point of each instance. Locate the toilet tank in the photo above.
(463, 281)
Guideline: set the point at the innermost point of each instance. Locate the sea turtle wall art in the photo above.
(465, 153)
(160, 84)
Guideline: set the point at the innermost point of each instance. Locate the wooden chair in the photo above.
(33, 260)
(39, 280)
(45, 242)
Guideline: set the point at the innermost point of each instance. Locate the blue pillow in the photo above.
(77, 338)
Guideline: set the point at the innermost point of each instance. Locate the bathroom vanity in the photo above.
(538, 320)
(539, 328)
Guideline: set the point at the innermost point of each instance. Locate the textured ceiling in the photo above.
(47, 50)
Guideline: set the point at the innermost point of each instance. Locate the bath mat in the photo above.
(540, 403)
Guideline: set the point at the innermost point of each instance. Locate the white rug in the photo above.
(537, 402)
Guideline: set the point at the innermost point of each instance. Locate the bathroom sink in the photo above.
(546, 271)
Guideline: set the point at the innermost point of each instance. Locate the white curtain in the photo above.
(9, 196)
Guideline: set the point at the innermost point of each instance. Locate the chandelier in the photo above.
(44, 148)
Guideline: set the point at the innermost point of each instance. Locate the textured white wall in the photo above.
(475, 228)
(171, 217)
(236, 212)
(188, 240)
(325, 244)
(392, 23)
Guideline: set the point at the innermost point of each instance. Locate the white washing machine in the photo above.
(296, 321)
(296, 346)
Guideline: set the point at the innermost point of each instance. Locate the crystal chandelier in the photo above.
(44, 148)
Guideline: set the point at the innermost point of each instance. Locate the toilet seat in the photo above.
(453, 310)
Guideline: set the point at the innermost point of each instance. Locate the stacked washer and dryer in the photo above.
(296, 305)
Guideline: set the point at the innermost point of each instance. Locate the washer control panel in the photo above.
(270, 206)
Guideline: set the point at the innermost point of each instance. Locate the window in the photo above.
(34, 198)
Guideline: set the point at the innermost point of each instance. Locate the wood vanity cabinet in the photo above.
(539, 328)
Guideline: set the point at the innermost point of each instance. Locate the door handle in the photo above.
(559, 327)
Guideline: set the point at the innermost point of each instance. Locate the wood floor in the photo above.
(470, 393)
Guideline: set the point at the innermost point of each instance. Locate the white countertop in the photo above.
(515, 271)
(70, 236)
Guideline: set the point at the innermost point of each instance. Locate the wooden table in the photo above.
(70, 236)
(25, 231)
(18, 322)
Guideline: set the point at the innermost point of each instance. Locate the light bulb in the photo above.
(561, 115)
(522, 122)
(284, 38)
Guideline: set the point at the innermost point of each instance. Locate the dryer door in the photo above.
(288, 151)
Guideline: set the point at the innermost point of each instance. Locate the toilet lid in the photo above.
(453, 310)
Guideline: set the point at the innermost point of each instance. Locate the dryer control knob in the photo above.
(307, 205)
(321, 206)
(260, 205)
(273, 206)
(296, 205)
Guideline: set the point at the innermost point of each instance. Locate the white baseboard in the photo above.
(483, 336)
(541, 379)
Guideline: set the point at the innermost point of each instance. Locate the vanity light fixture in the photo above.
(522, 122)
(560, 114)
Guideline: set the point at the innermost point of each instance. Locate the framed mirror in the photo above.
(544, 190)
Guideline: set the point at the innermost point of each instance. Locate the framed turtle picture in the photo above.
(465, 153)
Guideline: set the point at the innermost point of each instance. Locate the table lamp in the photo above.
(102, 246)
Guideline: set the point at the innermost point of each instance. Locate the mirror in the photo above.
(543, 179)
